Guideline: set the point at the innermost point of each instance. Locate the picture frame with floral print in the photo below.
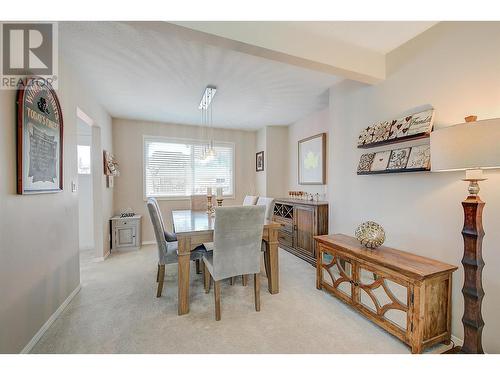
(312, 160)
(365, 137)
(420, 158)
(365, 162)
(399, 158)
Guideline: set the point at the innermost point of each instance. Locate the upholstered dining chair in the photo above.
(167, 245)
(250, 200)
(237, 239)
(260, 201)
(269, 204)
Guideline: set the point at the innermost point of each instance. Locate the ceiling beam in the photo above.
(280, 41)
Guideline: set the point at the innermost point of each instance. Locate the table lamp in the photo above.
(472, 146)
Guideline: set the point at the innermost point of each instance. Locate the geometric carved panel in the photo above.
(337, 272)
(383, 297)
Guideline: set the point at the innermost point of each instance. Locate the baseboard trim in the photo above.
(49, 322)
(102, 259)
(148, 243)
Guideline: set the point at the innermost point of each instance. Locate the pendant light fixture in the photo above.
(208, 151)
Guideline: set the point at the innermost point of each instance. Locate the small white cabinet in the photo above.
(126, 232)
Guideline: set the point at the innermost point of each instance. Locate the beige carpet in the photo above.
(116, 311)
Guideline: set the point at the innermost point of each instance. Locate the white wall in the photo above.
(277, 160)
(39, 264)
(85, 212)
(273, 180)
(128, 148)
(313, 124)
(455, 68)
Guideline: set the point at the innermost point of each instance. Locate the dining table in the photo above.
(194, 228)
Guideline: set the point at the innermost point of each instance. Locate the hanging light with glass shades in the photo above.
(208, 151)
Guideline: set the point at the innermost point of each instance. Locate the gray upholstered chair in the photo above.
(260, 201)
(250, 200)
(167, 245)
(269, 203)
(237, 239)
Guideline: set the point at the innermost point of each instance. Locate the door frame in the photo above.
(97, 181)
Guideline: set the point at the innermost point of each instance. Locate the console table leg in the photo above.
(319, 262)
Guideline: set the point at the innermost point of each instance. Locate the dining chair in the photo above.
(250, 200)
(260, 201)
(269, 203)
(198, 202)
(236, 250)
(167, 245)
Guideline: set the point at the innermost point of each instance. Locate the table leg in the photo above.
(184, 250)
(271, 255)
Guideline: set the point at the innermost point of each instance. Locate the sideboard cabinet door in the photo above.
(384, 297)
(126, 237)
(304, 230)
(337, 275)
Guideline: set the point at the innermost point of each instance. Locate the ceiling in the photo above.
(379, 36)
(137, 70)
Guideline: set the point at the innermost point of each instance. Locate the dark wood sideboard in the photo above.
(407, 295)
(301, 220)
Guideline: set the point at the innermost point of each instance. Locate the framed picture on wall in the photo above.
(259, 161)
(39, 139)
(311, 163)
(110, 164)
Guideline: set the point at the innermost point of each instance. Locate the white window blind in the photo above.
(174, 168)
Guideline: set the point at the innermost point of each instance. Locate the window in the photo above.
(174, 168)
(83, 153)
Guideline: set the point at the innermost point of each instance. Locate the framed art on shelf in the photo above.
(311, 163)
(407, 159)
(39, 139)
(259, 161)
(414, 126)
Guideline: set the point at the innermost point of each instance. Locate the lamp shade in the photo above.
(470, 145)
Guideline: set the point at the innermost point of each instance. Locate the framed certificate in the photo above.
(39, 139)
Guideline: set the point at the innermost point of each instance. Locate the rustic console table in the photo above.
(406, 294)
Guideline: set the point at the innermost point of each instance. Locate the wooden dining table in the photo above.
(193, 228)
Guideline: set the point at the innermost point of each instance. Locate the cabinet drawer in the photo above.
(285, 238)
(286, 223)
(125, 222)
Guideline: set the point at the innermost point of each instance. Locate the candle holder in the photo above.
(210, 207)
(219, 202)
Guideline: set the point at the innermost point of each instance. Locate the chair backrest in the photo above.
(269, 203)
(199, 202)
(250, 200)
(159, 229)
(237, 241)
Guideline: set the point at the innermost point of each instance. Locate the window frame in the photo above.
(166, 139)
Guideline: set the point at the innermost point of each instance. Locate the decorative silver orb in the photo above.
(370, 234)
